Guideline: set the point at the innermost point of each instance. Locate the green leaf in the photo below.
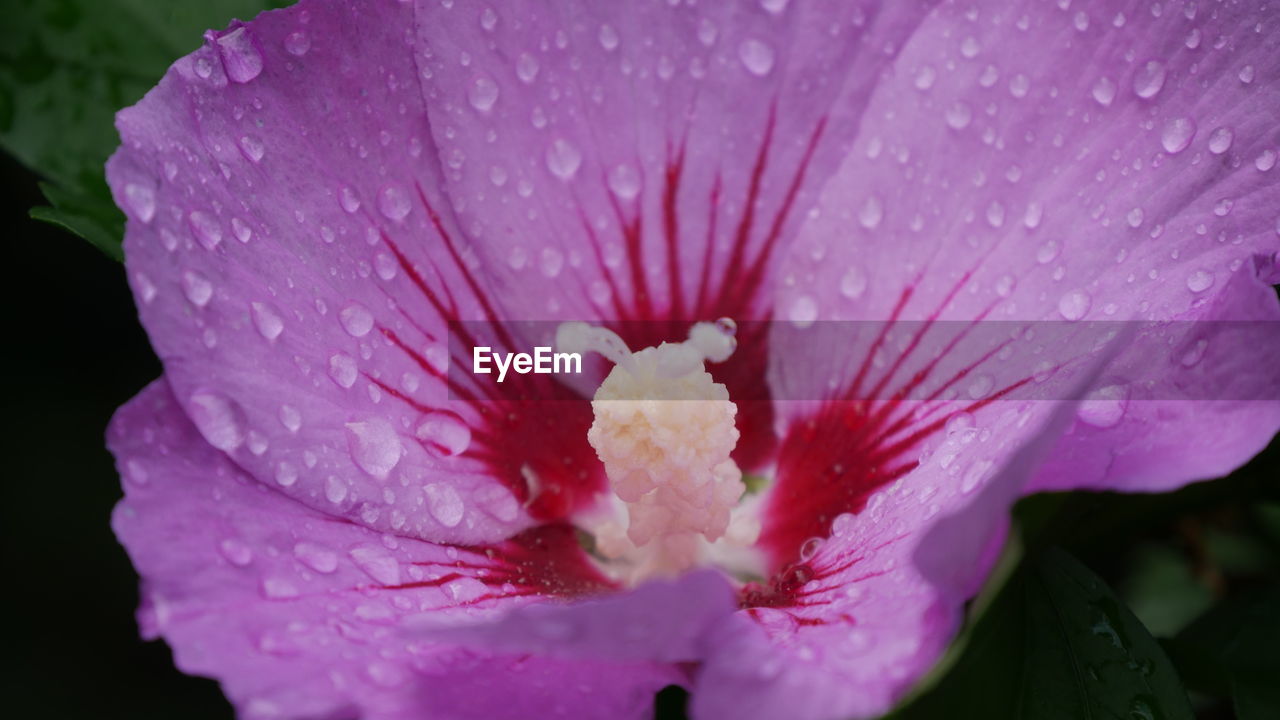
(66, 67)
(1057, 643)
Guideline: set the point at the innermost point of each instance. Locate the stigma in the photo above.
(664, 430)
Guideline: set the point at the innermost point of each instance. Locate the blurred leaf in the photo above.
(66, 67)
(1162, 591)
(1253, 661)
(1057, 643)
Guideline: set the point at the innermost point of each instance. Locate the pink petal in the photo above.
(644, 162)
(299, 614)
(296, 268)
(989, 182)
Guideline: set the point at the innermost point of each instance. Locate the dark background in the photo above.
(74, 352)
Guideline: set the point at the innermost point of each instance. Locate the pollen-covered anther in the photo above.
(664, 431)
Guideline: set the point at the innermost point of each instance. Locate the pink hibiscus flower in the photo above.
(330, 206)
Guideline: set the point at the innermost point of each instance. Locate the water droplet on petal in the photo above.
(197, 288)
(242, 231)
(526, 68)
(1074, 305)
(563, 159)
(959, 115)
(608, 37)
(206, 229)
(804, 311)
(1199, 281)
(286, 474)
(854, 283)
(483, 93)
(297, 44)
(141, 200)
(356, 320)
(240, 57)
(1246, 74)
(219, 419)
(236, 552)
(374, 446)
(377, 563)
(342, 368)
(1220, 140)
(1265, 160)
(1104, 91)
(756, 56)
(290, 418)
(1134, 218)
(347, 198)
(1149, 79)
(335, 491)
(266, 320)
(444, 504)
(1177, 134)
(444, 434)
(316, 556)
(871, 212)
(393, 202)
(253, 147)
(1105, 407)
(624, 181)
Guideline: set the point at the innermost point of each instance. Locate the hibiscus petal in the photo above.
(298, 613)
(640, 164)
(297, 272)
(987, 183)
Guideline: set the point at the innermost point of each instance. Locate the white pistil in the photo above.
(664, 431)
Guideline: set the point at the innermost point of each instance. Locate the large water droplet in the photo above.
(197, 288)
(756, 56)
(206, 229)
(1104, 407)
(624, 181)
(871, 212)
(316, 556)
(141, 200)
(343, 370)
(218, 418)
(1104, 91)
(1177, 134)
(483, 93)
(854, 283)
(356, 320)
(377, 563)
(1149, 79)
(393, 202)
(236, 552)
(608, 37)
(563, 159)
(1074, 305)
(1199, 281)
(266, 320)
(1220, 140)
(240, 57)
(253, 147)
(335, 491)
(374, 446)
(526, 68)
(1265, 160)
(444, 434)
(804, 311)
(444, 504)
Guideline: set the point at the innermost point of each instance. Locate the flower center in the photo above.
(664, 431)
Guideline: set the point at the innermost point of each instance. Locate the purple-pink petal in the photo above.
(300, 614)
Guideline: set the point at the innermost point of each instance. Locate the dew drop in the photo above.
(871, 213)
(335, 491)
(141, 200)
(377, 563)
(1074, 305)
(1177, 134)
(483, 93)
(444, 434)
(393, 202)
(347, 198)
(218, 418)
(756, 56)
(297, 44)
(854, 283)
(1105, 407)
(236, 552)
(1265, 160)
(290, 418)
(206, 229)
(1149, 79)
(526, 68)
(342, 368)
(266, 320)
(804, 311)
(286, 474)
(1246, 74)
(240, 57)
(316, 556)
(925, 77)
(563, 159)
(624, 181)
(1220, 140)
(253, 147)
(356, 320)
(444, 504)
(197, 288)
(1135, 217)
(1104, 91)
(374, 446)
(1199, 281)
(959, 115)
(608, 37)
(241, 230)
